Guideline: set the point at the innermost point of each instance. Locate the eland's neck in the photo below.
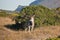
(32, 19)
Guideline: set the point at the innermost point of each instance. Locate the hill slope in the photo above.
(38, 34)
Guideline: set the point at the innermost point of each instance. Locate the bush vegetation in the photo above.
(43, 15)
(3, 14)
(53, 39)
(6, 14)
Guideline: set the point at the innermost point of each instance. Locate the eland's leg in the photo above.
(26, 29)
(32, 27)
(29, 28)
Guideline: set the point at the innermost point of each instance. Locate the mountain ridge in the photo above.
(19, 8)
(47, 3)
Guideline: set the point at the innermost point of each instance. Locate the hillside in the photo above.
(47, 23)
(40, 33)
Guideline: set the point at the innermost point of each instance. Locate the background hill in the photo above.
(47, 3)
(19, 8)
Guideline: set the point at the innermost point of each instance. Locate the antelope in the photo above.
(30, 24)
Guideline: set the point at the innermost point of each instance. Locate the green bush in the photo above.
(53, 39)
(3, 14)
(43, 15)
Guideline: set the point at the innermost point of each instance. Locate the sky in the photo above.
(13, 4)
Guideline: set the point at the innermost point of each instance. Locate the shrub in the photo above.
(3, 14)
(53, 39)
(43, 15)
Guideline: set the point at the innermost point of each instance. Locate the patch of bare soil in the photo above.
(38, 34)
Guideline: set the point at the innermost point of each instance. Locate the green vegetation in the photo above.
(43, 15)
(6, 14)
(3, 14)
(53, 39)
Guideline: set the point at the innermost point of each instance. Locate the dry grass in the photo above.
(38, 34)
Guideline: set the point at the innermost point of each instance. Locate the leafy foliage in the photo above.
(3, 14)
(53, 39)
(43, 15)
(6, 14)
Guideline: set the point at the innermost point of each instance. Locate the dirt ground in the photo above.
(41, 33)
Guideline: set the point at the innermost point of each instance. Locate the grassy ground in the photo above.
(41, 33)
